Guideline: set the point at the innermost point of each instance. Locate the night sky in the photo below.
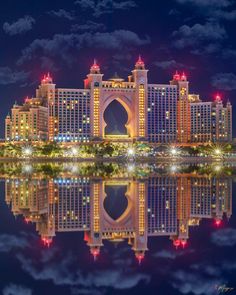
(63, 37)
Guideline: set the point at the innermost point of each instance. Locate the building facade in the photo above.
(210, 121)
(157, 113)
(28, 122)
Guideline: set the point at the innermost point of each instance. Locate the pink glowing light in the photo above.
(218, 222)
(176, 76)
(176, 243)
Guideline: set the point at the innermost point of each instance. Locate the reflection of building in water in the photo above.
(156, 206)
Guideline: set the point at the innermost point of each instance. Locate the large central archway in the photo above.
(116, 118)
(127, 107)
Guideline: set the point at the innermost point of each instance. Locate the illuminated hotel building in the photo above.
(157, 113)
(162, 113)
(156, 206)
(201, 121)
(27, 122)
(221, 121)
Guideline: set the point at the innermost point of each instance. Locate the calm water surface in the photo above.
(117, 229)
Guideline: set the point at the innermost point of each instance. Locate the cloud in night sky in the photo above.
(188, 282)
(19, 27)
(207, 3)
(10, 242)
(104, 6)
(13, 289)
(227, 236)
(88, 26)
(171, 64)
(59, 271)
(202, 277)
(62, 13)
(213, 9)
(8, 76)
(62, 44)
(198, 34)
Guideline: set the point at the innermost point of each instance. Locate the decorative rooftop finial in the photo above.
(176, 76)
(47, 79)
(95, 69)
(140, 63)
(140, 256)
(184, 77)
(218, 97)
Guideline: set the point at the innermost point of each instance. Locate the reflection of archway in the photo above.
(115, 202)
(125, 216)
(127, 105)
(115, 117)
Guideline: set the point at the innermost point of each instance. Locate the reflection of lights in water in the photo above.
(27, 151)
(131, 167)
(173, 168)
(173, 151)
(74, 169)
(131, 152)
(217, 168)
(218, 152)
(27, 169)
(218, 222)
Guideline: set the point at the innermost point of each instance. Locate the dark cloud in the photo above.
(89, 26)
(11, 242)
(89, 291)
(199, 34)
(166, 254)
(195, 283)
(8, 76)
(213, 9)
(13, 289)
(229, 53)
(120, 276)
(207, 3)
(171, 64)
(21, 26)
(62, 13)
(227, 236)
(104, 6)
(61, 45)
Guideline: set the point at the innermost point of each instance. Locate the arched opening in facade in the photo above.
(116, 118)
(116, 202)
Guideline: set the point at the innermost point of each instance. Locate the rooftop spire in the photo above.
(140, 65)
(95, 69)
(176, 76)
(47, 79)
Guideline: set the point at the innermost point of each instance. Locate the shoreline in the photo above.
(180, 160)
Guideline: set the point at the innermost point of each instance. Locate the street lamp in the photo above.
(74, 151)
(131, 152)
(27, 151)
(218, 152)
